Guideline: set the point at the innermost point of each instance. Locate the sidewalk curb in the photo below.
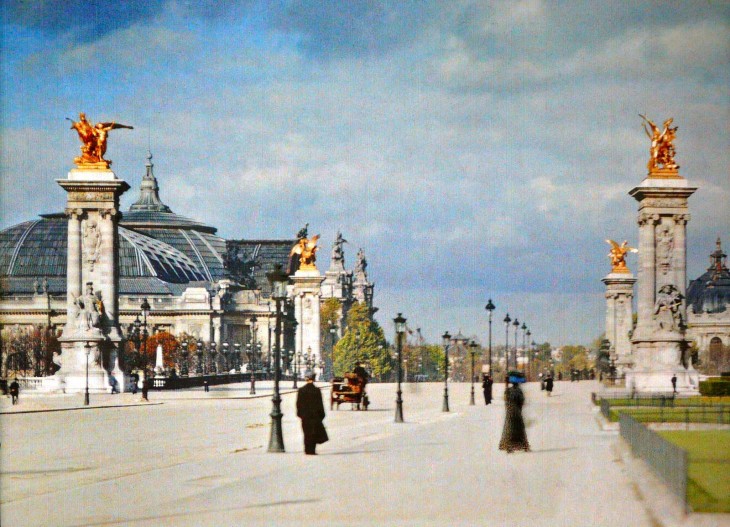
(90, 407)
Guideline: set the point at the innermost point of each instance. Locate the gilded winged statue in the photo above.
(304, 254)
(93, 141)
(662, 151)
(618, 255)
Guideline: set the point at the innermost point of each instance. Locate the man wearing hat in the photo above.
(310, 409)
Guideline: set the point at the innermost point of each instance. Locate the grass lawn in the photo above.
(708, 486)
(708, 414)
(698, 400)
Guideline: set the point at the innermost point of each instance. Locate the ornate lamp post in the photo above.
(278, 280)
(472, 351)
(447, 342)
(524, 347)
(329, 361)
(400, 328)
(529, 354)
(199, 354)
(516, 324)
(237, 355)
(226, 361)
(213, 347)
(490, 307)
(184, 356)
(507, 320)
(145, 307)
(251, 352)
(87, 345)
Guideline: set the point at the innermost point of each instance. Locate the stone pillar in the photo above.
(73, 265)
(619, 314)
(307, 293)
(659, 343)
(92, 331)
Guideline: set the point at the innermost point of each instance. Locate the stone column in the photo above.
(307, 291)
(659, 343)
(619, 314)
(73, 266)
(92, 333)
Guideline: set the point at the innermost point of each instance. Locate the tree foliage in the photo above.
(363, 341)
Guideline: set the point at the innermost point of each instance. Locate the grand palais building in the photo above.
(194, 281)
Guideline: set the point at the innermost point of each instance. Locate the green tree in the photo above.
(363, 341)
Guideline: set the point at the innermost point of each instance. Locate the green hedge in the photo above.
(715, 386)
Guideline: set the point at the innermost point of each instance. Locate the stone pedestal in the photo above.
(92, 281)
(619, 313)
(659, 344)
(306, 293)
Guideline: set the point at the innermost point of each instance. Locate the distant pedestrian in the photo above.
(145, 389)
(135, 380)
(4, 386)
(14, 391)
(310, 409)
(205, 386)
(549, 385)
(487, 388)
(514, 436)
(542, 382)
(674, 384)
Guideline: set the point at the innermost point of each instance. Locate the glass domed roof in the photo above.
(710, 293)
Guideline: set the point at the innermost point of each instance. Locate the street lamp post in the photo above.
(184, 355)
(199, 353)
(524, 348)
(400, 328)
(278, 280)
(86, 393)
(473, 352)
(507, 320)
(226, 359)
(529, 354)
(447, 342)
(516, 324)
(213, 347)
(237, 354)
(252, 356)
(329, 363)
(490, 307)
(145, 307)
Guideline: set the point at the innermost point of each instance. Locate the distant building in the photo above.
(708, 308)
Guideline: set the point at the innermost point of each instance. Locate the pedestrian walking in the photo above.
(514, 436)
(674, 383)
(310, 409)
(145, 389)
(135, 381)
(487, 388)
(206, 387)
(549, 385)
(14, 391)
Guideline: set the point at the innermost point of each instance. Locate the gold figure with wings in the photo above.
(93, 141)
(618, 256)
(305, 251)
(662, 150)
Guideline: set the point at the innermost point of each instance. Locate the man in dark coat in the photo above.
(310, 410)
(487, 388)
(549, 385)
(14, 391)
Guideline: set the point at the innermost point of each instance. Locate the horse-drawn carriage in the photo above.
(349, 389)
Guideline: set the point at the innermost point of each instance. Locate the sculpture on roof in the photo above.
(337, 252)
(93, 141)
(361, 263)
(617, 254)
(662, 151)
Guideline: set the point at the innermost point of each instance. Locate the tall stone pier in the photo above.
(659, 343)
(619, 316)
(306, 293)
(91, 337)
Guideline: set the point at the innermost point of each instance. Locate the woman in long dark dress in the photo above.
(514, 436)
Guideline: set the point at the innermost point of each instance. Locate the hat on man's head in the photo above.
(309, 374)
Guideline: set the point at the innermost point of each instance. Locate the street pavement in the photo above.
(190, 458)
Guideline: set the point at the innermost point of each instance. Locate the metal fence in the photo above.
(667, 460)
(719, 414)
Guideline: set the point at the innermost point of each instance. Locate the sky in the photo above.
(473, 149)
